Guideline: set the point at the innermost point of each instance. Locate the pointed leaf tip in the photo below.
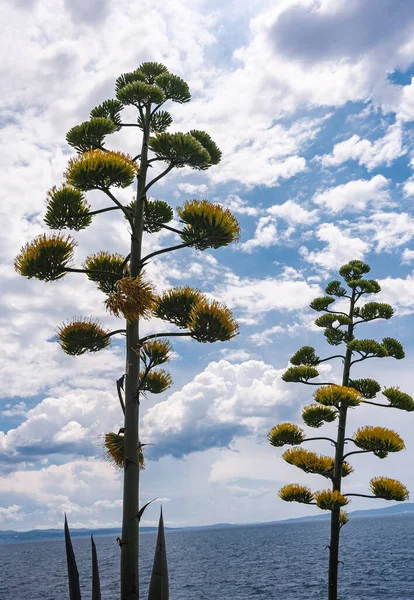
(73, 574)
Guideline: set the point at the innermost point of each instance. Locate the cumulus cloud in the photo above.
(224, 401)
(371, 154)
(340, 247)
(388, 230)
(355, 196)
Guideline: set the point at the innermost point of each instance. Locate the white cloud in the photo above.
(191, 188)
(254, 297)
(399, 293)
(355, 196)
(264, 236)
(340, 247)
(293, 213)
(389, 230)
(407, 256)
(240, 206)
(222, 402)
(371, 154)
(408, 187)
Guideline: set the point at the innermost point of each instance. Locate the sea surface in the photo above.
(282, 561)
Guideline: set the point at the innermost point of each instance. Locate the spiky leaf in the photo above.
(328, 500)
(127, 78)
(337, 395)
(96, 584)
(90, 134)
(159, 587)
(368, 388)
(73, 574)
(207, 225)
(156, 214)
(97, 169)
(114, 451)
(334, 337)
(133, 298)
(305, 356)
(376, 310)
(328, 320)
(174, 88)
(180, 150)
(299, 374)
(176, 305)
(365, 286)
(293, 492)
(315, 415)
(67, 208)
(105, 269)
(160, 121)
(151, 70)
(286, 433)
(212, 321)
(109, 109)
(46, 258)
(378, 440)
(399, 399)
(79, 336)
(389, 489)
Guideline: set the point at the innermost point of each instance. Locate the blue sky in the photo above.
(312, 104)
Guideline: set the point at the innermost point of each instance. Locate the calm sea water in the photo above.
(285, 561)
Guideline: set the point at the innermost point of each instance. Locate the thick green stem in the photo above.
(337, 476)
(130, 532)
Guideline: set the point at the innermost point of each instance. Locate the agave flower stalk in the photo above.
(333, 401)
(129, 293)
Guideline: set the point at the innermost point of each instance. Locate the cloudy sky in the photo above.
(312, 104)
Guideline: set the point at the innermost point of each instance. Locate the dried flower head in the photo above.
(133, 299)
(80, 336)
(46, 258)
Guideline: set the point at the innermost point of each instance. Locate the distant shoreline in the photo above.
(9, 536)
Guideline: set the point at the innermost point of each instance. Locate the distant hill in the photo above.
(51, 534)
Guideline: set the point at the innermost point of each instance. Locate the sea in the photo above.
(278, 561)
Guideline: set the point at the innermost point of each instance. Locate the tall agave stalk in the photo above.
(129, 294)
(332, 402)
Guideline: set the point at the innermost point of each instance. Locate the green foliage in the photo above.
(159, 587)
(367, 348)
(151, 70)
(294, 492)
(299, 374)
(46, 258)
(180, 150)
(90, 134)
(110, 109)
(105, 269)
(399, 399)
(337, 396)
(378, 440)
(315, 416)
(139, 93)
(67, 208)
(207, 143)
(310, 462)
(334, 288)
(155, 382)
(305, 356)
(160, 121)
(97, 169)
(375, 310)
(329, 319)
(127, 78)
(156, 214)
(368, 388)
(73, 574)
(389, 489)
(155, 352)
(176, 305)
(393, 348)
(334, 337)
(211, 321)
(174, 88)
(328, 500)
(353, 270)
(79, 336)
(207, 225)
(286, 433)
(365, 286)
(322, 303)
(114, 450)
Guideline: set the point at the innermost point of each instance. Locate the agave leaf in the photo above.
(159, 589)
(73, 575)
(141, 510)
(96, 584)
